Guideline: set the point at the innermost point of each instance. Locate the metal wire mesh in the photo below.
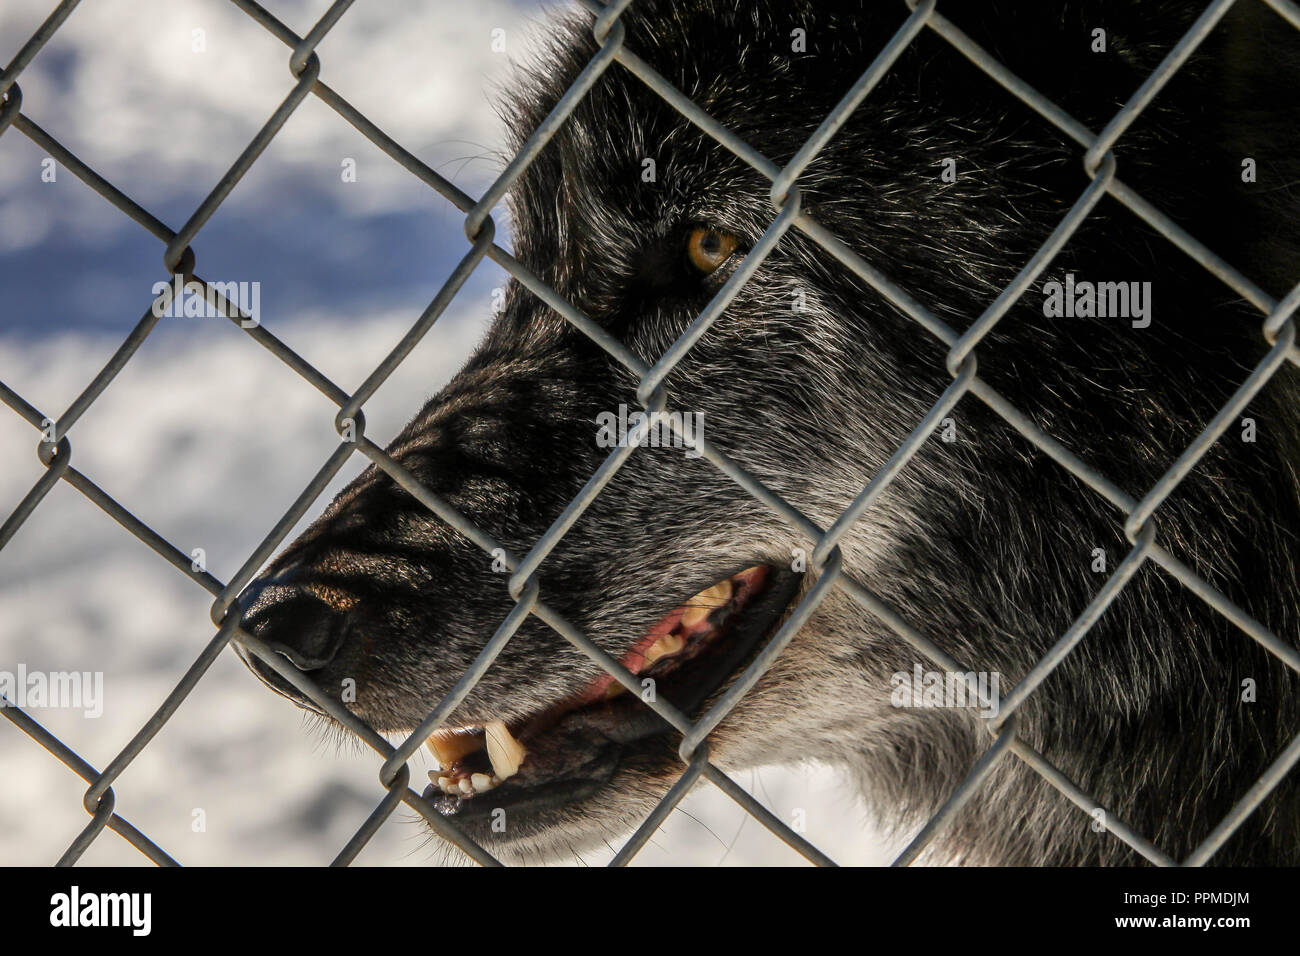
(55, 449)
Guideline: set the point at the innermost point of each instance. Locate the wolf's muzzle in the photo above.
(295, 623)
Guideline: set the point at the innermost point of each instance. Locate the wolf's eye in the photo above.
(708, 248)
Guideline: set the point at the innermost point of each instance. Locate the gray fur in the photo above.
(983, 544)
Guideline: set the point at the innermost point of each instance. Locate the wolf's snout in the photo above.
(294, 622)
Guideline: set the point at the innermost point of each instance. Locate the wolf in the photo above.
(1163, 715)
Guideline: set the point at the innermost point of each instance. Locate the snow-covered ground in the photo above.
(208, 438)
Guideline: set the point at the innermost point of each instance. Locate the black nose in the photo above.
(293, 622)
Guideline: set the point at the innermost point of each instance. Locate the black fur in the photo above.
(984, 544)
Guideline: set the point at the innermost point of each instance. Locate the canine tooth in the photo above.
(465, 786)
(448, 746)
(666, 645)
(504, 751)
(480, 782)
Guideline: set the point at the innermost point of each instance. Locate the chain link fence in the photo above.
(54, 448)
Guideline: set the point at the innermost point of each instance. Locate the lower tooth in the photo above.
(465, 786)
(481, 782)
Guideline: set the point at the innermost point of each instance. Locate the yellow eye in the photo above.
(708, 248)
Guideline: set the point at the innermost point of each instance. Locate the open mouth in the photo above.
(568, 750)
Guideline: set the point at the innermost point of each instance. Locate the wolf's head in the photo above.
(809, 380)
